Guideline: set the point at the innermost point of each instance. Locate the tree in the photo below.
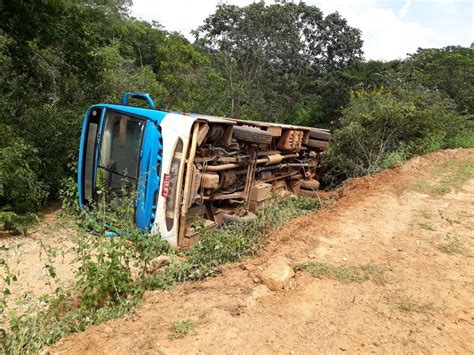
(449, 70)
(58, 57)
(272, 56)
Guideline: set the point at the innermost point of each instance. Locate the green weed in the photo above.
(463, 140)
(230, 243)
(453, 246)
(449, 176)
(181, 328)
(408, 304)
(426, 226)
(345, 274)
(17, 223)
(427, 215)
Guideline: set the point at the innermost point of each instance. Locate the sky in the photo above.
(391, 29)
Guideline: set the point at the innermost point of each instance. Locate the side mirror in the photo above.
(139, 96)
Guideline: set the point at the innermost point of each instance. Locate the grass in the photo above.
(451, 175)
(345, 274)
(30, 332)
(426, 226)
(17, 223)
(427, 215)
(181, 329)
(463, 141)
(408, 304)
(453, 246)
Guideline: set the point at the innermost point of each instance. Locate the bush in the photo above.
(18, 224)
(21, 191)
(20, 188)
(465, 138)
(68, 196)
(106, 266)
(382, 128)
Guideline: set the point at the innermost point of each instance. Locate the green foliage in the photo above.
(273, 56)
(232, 242)
(20, 189)
(449, 70)
(181, 328)
(382, 128)
(57, 58)
(284, 61)
(17, 223)
(106, 275)
(106, 265)
(68, 196)
(345, 274)
(281, 62)
(464, 138)
(30, 331)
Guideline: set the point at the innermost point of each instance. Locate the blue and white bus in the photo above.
(181, 165)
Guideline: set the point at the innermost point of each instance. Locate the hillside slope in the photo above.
(413, 226)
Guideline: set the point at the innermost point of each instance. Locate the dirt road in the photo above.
(415, 223)
(46, 244)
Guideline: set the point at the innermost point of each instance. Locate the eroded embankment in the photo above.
(411, 232)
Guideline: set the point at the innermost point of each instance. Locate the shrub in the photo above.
(20, 188)
(464, 138)
(106, 266)
(18, 224)
(382, 128)
(68, 196)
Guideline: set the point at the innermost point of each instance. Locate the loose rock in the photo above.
(151, 296)
(158, 263)
(277, 274)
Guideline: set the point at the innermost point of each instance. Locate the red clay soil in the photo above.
(416, 222)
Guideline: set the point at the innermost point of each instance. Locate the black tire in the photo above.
(251, 135)
(309, 193)
(320, 135)
(309, 184)
(232, 218)
(313, 143)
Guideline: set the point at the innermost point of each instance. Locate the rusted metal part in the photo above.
(252, 150)
(222, 167)
(203, 131)
(227, 179)
(187, 184)
(229, 176)
(283, 176)
(210, 181)
(270, 159)
(291, 139)
(219, 196)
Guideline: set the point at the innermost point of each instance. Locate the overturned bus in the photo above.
(185, 166)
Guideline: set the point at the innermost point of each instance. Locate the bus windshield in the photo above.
(119, 154)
